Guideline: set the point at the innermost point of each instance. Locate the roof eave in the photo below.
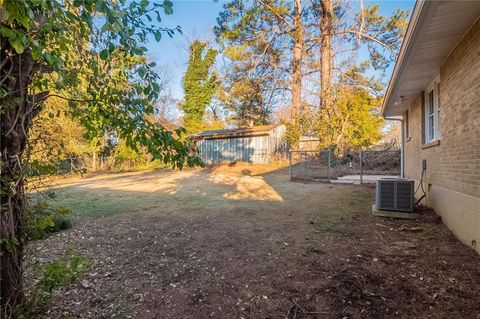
(435, 29)
(404, 50)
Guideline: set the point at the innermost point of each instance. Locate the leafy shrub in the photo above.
(37, 168)
(293, 133)
(44, 219)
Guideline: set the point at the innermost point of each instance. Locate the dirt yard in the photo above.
(245, 243)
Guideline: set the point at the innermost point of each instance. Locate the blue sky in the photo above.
(197, 18)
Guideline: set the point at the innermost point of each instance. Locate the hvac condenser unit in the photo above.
(394, 194)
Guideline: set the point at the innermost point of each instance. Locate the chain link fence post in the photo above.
(304, 160)
(290, 164)
(361, 167)
(329, 163)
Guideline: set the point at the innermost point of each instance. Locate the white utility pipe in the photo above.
(402, 143)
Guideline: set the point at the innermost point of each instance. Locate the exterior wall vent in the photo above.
(395, 194)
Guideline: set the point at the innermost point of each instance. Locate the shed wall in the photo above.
(256, 149)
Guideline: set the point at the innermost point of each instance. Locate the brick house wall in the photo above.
(452, 179)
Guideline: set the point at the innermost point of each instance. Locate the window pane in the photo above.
(431, 127)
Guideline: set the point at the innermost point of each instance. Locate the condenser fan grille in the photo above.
(394, 194)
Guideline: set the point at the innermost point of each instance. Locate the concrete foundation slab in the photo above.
(393, 214)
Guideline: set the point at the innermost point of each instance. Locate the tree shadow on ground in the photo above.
(219, 243)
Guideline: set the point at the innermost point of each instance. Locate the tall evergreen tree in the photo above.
(253, 35)
(199, 84)
(344, 29)
(301, 53)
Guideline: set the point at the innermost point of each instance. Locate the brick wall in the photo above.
(453, 166)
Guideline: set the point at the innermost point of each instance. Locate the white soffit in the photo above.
(435, 29)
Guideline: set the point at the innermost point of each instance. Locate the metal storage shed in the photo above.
(258, 144)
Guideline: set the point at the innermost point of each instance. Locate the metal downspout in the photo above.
(402, 144)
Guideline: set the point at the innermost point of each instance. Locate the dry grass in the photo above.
(180, 192)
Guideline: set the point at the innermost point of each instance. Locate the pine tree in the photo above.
(343, 30)
(304, 52)
(254, 36)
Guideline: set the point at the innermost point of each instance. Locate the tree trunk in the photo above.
(298, 40)
(326, 30)
(94, 161)
(17, 111)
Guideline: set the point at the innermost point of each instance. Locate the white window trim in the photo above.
(434, 86)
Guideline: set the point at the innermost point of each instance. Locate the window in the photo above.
(432, 112)
(431, 117)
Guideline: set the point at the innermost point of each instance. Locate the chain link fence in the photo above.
(348, 166)
(83, 165)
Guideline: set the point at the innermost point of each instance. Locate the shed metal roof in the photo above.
(260, 130)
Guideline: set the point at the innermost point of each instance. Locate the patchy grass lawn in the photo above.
(245, 243)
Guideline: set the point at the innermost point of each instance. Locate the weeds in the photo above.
(50, 276)
(62, 271)
(44, 219)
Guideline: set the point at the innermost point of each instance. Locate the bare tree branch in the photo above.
(366, 36)
(279, 16)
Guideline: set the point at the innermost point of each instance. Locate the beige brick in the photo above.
(453, 167)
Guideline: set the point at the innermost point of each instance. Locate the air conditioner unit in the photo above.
(394, 194)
